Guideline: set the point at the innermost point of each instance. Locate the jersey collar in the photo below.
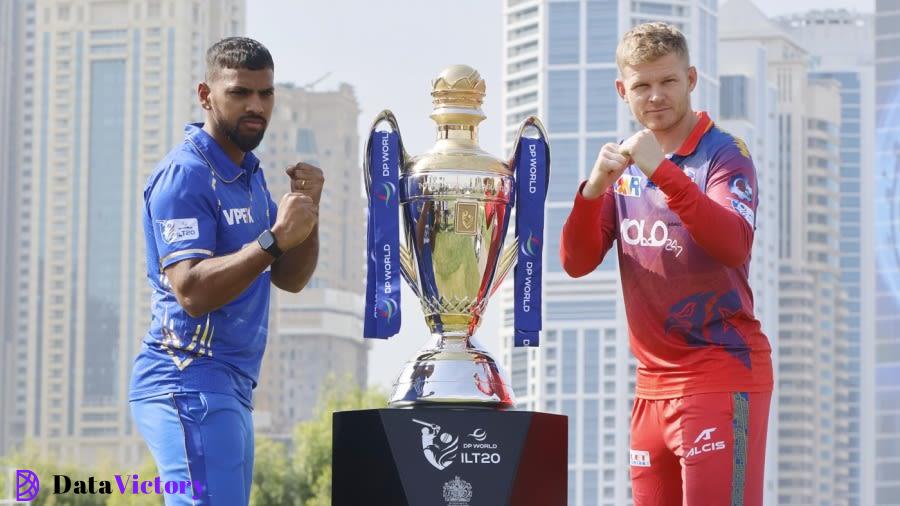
(215, 157)
(704, 123)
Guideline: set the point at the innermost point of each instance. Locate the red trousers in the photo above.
(700, 450)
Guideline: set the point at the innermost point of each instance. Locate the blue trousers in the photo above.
(202, 437)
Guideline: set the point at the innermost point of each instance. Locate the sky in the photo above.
(389, 51)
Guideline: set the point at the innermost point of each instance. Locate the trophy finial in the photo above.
(458, 86)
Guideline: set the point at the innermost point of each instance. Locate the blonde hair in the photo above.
(648, 42)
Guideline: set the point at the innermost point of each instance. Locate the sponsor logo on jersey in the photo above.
(183, 229)
(237, 215)
(629, 186)
(745, 211)
(741, 188)
(637, 233)
(705, 443)
(639, 458)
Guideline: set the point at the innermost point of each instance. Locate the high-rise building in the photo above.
(885, 460)
(8, 51)
(316, 336)
(16, 187)
(114, 83)
(841, 46)
(811, 374)
(747, 110)
(559, 63)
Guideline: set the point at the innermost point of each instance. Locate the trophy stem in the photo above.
(452, 370)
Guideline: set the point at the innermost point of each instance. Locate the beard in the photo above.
(245, 142)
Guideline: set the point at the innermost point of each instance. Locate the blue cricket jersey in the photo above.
(199, 204)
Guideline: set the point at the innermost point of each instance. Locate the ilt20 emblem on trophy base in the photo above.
(456, 201)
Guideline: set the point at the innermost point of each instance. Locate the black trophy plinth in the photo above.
(448, 457)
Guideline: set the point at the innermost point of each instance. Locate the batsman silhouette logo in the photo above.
(440, 448)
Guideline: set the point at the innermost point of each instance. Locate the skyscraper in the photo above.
(747, 110)
(841, 46)
(559, 63)
(16, 189)
(114, 83)
(811, 359)
(316, 335)
(886, 361)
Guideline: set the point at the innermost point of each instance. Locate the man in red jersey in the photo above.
(679, 198)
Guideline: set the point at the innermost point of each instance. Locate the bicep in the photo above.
(733, 186)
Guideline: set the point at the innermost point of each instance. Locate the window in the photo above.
(733, 97)
(601, 100)
(570, 361)
(601, 40)
(591, 361)
(563, 33)
(566, 177)
(563, 101)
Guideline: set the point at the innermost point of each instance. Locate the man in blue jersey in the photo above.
(215, 241)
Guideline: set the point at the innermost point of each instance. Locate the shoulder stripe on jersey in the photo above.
(185, 252)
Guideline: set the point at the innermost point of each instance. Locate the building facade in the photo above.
(841, 46)
(315, 337)
(885, 362)
(811, 428)
(114, 84)
(747, 110)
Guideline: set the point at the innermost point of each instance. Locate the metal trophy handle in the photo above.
(407, 263)
(511, 251)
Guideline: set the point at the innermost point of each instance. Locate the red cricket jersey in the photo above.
(683, 240)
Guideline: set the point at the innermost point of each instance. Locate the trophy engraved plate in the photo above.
(466, 215)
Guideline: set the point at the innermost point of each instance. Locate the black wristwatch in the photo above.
(268, 243)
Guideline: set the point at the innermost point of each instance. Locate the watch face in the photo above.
(266, 240)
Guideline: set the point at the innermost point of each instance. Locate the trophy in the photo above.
(456, 203)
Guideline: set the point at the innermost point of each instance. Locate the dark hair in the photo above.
(237, 53)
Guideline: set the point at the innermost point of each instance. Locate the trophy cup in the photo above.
(439, 444)
(456, 202)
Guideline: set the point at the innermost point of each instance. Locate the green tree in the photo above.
(303, 475)
(273, 483)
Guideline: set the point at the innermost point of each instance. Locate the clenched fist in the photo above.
(297, 215)
(645, 150)
(306, 179)
(609, 166)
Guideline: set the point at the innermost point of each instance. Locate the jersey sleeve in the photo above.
(589, 233)
(183, 209)
(722, 219)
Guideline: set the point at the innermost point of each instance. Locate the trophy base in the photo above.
(448, 457)
(454, 372)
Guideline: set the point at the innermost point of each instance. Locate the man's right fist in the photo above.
(609, 166)
(297, 216)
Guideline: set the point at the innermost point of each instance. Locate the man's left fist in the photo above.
(645, 150)
(306, 179)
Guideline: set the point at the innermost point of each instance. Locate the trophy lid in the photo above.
(458, 92)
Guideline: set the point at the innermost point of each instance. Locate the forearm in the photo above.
(209, 284)
(293, 270)
(588, 233)
(723, 234)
